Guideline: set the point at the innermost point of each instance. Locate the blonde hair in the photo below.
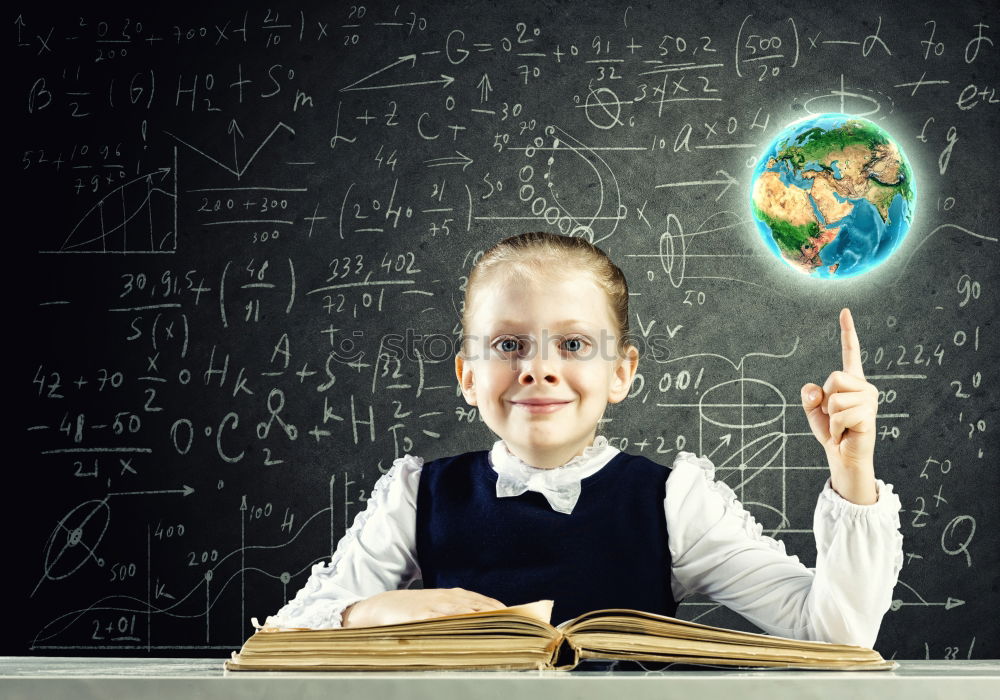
(535, 254)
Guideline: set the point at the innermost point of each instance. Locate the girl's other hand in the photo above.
(394, 607)
(841, 415)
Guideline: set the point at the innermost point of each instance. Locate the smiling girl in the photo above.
(552, 511)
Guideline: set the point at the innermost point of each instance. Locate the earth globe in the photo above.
(833, 195)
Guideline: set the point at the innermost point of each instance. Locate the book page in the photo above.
(540, 610)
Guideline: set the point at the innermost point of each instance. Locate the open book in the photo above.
(521, 637)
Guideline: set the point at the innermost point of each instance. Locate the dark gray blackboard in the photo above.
(241, 235)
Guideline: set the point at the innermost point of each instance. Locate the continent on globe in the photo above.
(833, 195)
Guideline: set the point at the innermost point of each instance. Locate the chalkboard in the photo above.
(243, 233)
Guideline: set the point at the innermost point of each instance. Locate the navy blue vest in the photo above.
(610, 552)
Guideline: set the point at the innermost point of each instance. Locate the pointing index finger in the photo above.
(850, 345)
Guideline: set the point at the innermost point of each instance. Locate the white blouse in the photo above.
(716, 549)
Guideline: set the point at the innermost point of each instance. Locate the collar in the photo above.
(560, 485)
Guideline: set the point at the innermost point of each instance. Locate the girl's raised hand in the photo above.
(394, 607)
(841, 414)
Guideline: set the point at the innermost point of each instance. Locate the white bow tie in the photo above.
(560, 486)
(562, 498)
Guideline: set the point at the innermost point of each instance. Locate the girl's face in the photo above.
(548, 340)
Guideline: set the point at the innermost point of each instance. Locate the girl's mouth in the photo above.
(541, 407)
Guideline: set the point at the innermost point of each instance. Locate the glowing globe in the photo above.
(833, 196)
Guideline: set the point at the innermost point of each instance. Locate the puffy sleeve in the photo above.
(377, 553)
(718, 550)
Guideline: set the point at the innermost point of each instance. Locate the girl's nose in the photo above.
(538, 368)
(528, 377)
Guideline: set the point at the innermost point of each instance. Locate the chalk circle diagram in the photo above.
(589, 206)
(75, 539)
(602, 107)
(848, 100)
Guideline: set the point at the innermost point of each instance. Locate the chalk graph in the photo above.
(139, 216)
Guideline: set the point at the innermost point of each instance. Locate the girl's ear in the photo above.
(466, 379)
(624, 374)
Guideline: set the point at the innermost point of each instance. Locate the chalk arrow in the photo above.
(484, 88)
(20, 25)
(445, 80)
(187, 491)
(728, 182)
(723, 441)
(462, 160)
(234, 129)
(162, 172)
(412, 58)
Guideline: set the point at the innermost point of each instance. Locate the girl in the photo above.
(552, 511)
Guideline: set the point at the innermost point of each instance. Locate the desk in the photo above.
(63, 678)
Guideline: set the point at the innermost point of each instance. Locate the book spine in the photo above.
(565, 654)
